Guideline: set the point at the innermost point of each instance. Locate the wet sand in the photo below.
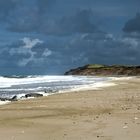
(111, 113)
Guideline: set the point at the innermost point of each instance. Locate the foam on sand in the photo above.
(4, 102)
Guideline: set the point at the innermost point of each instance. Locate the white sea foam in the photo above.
(10, 87)
(121, 78)
(21, 89)
(4, 102)
(8, 82)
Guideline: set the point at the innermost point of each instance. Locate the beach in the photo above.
(109, 113)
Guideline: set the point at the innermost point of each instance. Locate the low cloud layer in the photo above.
(76, 51)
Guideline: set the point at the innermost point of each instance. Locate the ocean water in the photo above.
(21, 85)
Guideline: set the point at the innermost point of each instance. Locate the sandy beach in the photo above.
(110, 113)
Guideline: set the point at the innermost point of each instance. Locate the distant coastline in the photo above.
(105, 70)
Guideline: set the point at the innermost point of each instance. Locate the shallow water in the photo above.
(11, 86)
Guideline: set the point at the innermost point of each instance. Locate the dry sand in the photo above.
(111, 113)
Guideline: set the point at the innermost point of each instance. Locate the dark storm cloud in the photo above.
(88, 48)
(133, 25)
(59, 17)
(23, 15)
(81, 22)
(57, 56)
(7, 5)
(58, 35)
(45, 5)
(107, 49)
(38, 16)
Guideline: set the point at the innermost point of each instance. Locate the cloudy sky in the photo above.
(52, 36)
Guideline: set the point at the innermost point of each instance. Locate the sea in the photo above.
(19, 86)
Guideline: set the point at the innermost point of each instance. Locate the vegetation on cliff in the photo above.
(105, 70)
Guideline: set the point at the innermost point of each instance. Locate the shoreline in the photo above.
(94, 86)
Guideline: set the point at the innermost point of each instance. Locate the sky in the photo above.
(53, 36)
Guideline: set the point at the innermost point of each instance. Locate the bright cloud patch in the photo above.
(30, 43)
(26, 48)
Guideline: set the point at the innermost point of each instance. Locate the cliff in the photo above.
(104, 70)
